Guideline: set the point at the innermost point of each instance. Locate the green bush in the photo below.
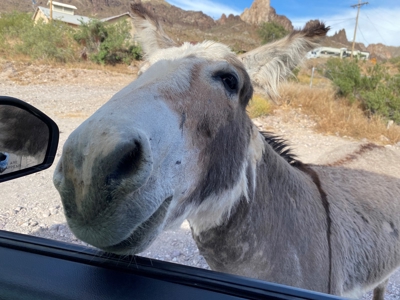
(56, 41)
(345, 75)
(20, 35)
(48, 41)
(395, 61)
(376, 90)
(91, 35)
(108, 43)
(270, 31)
(11, 26)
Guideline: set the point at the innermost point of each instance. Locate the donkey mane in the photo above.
(280, 146)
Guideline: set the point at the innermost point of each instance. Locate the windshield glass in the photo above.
(189, 135)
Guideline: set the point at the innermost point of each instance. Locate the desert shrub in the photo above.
(345, 75)
(108, 43)
(91, 35)
(136, 52)
(336, 115)
(258, 107)
(376, 90)
(271, 31)
(11, 26)
(395, 61)
(48, 41)
(20, 35)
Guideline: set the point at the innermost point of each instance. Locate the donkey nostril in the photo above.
(129, 163)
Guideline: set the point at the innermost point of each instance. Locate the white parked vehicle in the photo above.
(336, 52)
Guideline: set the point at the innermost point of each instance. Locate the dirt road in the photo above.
(31, 205)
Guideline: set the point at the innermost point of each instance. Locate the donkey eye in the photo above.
(230, 82)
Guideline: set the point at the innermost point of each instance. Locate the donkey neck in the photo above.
(278, 227)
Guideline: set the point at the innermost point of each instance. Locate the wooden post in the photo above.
(51, 10)
(312, 76)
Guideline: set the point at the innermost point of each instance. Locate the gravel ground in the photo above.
(31, 205)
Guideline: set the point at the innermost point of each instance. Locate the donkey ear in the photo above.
(270, 64)
(150, 32)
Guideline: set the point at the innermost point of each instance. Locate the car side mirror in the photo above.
(28, 139)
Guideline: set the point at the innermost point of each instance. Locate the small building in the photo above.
(122, 17)
(62, 8)
(66, 13)
(61, 12)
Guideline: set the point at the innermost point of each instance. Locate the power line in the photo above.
(334, 20)
(381, 25)
(382, 18)
(359, 29)
(376, 28)
(339, 21)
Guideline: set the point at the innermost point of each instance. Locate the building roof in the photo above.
(67, 18)
(62, 4)
(116, 17)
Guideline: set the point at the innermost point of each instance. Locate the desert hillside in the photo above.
(239, 32)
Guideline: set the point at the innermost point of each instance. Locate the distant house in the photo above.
(61, 12)
(66, 13)
(122, 17)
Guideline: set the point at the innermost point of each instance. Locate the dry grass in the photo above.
(23, 60)
(118, 68)
(337, 116)
(258, 107)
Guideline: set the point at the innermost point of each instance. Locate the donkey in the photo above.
(177, 144)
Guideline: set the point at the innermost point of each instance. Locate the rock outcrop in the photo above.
(340, 37)
(279, 19)
(261, 11)
(230, 19)
(383, 52)
(257, 13)
(174, 16)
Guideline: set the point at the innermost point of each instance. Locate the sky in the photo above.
(379, 21)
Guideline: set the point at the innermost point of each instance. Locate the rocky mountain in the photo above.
(239, 32)
(194, 26)
(340, 37)
(262, 11)
(382, 51)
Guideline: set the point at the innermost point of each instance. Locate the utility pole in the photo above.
(355, 29)
(51, 10)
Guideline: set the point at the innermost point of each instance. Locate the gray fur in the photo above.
(280, 234)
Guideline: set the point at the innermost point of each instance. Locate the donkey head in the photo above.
(174, 144)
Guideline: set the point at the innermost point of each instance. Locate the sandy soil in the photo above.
(31, 205)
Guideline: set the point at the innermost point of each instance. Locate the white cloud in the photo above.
(215, 10)
(375, 25)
